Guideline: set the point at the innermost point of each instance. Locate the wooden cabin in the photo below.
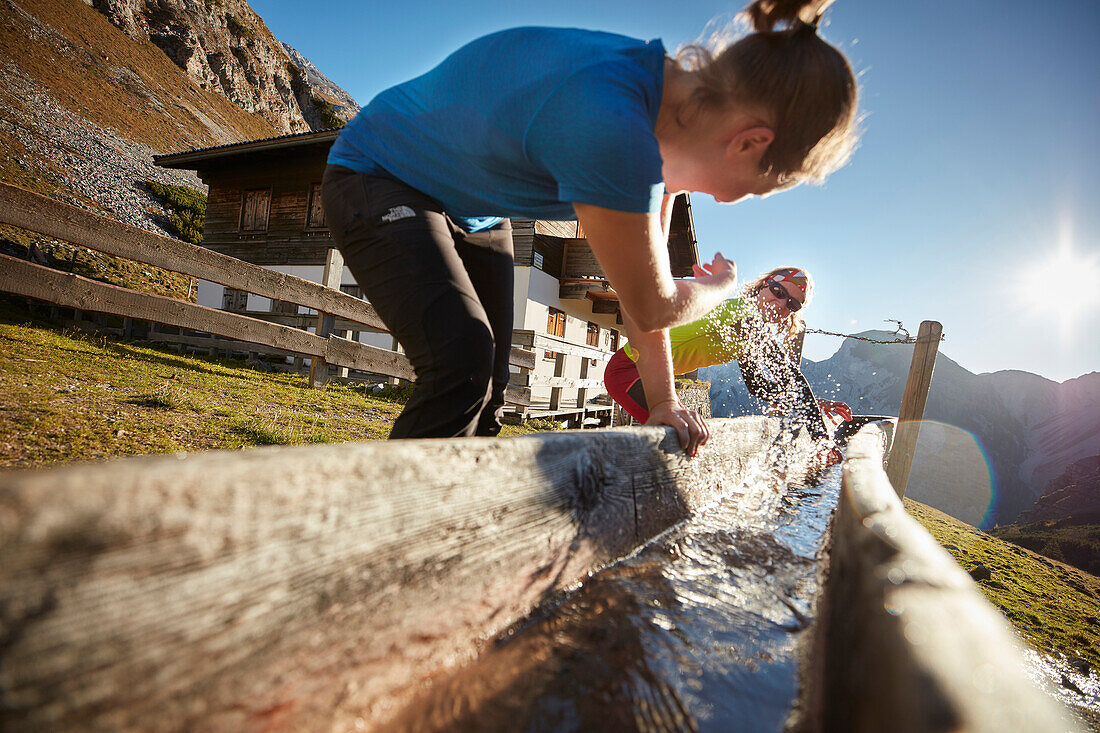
(264, 207)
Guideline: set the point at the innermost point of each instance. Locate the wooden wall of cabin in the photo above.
(531, 237)
(287, 240)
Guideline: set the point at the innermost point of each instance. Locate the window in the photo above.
(593, 337)
(614, 339)
(555, 326)
(254, 209)
(315, 217)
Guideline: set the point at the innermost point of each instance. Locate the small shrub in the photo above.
(187, 207)
(543, 423)
(237, 28)
(327, 113)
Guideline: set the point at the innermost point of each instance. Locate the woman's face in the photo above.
(774, 306)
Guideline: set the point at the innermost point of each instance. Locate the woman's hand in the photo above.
(720, 271)
(835, 410)
(689, 424)
(632, 249)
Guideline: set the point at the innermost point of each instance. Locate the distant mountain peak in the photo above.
(1019, 429)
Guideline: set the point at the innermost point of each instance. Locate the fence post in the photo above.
(559, 371)
(582, 393)
(334, 271)
(912, 404)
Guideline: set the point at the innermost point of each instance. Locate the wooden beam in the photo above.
(913, 401)
(605, 307)
(904, 639)
(538, 380)
(301, 588)
(68, 223)
(333, 274)
(73, 291)
(522, 358)
(579, 288)
(559, 373)
(580, 261)
(532, 340)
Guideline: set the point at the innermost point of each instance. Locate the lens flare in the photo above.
(953, 473)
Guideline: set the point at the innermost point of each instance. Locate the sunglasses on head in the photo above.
(780, 292)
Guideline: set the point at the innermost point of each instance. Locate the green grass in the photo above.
(1074, 540)
(66, 397)
(1054, 606)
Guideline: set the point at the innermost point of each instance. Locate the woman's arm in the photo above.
(655, 368)
(633, 251)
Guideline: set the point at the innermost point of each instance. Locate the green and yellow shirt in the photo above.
(718, 337)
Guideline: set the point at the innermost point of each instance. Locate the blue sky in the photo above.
(975, 181)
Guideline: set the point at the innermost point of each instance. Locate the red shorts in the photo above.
(624, 384)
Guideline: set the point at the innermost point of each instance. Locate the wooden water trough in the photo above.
(320, 587)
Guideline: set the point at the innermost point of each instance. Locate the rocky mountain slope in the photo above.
(92, 93)
(223, 46)
(990, 442)
(1075, 493)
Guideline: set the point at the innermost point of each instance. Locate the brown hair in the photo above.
(803, 81)
(794, 321)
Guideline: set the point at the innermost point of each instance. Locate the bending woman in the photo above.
(550, 123)
(761, 331)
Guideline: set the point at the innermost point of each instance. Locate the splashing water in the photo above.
(699, 630)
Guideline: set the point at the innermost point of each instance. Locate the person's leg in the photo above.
(624, 384)
(487, 256)
(400, 247)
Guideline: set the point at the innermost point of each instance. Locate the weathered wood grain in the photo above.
(913, 401)
(904, 641)
(305, 588)
(72, 224)
(534, 340)
(326, 322)
(73, 291)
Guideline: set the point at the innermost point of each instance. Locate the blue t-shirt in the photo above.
(523, 123)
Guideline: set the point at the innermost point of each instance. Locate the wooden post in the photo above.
(912, 404)
(334, 271)
(342, 372)
(559, 371)
(582, 393)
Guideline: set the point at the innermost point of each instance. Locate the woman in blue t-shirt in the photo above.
(551, 123)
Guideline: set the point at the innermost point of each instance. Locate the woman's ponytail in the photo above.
(765, 15)
(785, 68)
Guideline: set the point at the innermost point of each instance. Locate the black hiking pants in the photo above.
(444, 293)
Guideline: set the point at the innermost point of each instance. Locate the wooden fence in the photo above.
(68, 223)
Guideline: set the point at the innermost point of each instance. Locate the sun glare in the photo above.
(1065, 286)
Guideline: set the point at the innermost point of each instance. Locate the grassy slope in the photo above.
(1054, 606)
(87, 63)
(98, 72)
(66, 397)
(1074, 540)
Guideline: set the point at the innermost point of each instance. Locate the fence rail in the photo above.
(73, 291)
(283, 333)
(68, 223)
